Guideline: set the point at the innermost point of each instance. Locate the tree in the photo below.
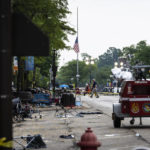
(129, 53)
(85, 56)
(69, 71)
(109, 57)
(50, 16)
(102, 75)
(139, 53)
(105, 63)
(143, 53)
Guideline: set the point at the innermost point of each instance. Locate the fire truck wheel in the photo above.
(132, 121)
(117, 122)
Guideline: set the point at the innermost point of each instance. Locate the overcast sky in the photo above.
(107, 23)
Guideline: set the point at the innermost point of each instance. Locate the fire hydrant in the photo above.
(89, 141)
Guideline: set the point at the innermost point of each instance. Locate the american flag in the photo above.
(76, 46)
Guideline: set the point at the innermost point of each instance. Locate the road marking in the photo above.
(107, 136)
(134, 148)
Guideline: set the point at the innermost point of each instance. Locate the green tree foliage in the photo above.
(85, 56)
(109, 57)
(129, 52)
(44, 63)
(103, 74)
(140, 53)
(70, 70)
(105, 63)
(40, 80)
(51, 17)
(101, 70)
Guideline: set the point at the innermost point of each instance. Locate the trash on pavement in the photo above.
(137, 134)
(110, 135)
(79, 115)
(90, 113)
(64, 116)
(70, 136)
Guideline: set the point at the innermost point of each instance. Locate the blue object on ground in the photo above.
(78, 103)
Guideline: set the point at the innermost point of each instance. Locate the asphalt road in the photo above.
(136, 131)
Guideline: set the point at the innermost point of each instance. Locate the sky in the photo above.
(107, 23)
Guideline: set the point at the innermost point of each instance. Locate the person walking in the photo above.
(94, 89)
(87, 89)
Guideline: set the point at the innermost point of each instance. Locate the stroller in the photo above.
(20, 111)
(26, 111)
(17, 110)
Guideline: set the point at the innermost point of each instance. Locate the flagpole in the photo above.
(77, 76)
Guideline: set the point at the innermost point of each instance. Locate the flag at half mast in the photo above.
(76, 46)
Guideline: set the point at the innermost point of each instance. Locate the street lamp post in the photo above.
(118, 65)
(77, 76)
(54, 69)
(50, 77)
(90, 61)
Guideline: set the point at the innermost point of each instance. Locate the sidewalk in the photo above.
(55, 122)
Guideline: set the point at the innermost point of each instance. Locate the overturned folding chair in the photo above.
(30, 141)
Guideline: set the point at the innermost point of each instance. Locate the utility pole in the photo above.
(50, 77)
(54, 69)
(5, 75)
(77, 75)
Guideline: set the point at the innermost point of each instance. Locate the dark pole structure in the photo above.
(90, 74)
(19, 76)
(34, 79)
(5, 76)
(89, 62)
(54, 69)
(77, 75)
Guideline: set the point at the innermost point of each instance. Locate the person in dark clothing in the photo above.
(94, 89)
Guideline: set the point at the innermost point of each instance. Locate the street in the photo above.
(56, 122)
(104, 103)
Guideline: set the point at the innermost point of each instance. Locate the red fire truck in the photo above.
(134, 101)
